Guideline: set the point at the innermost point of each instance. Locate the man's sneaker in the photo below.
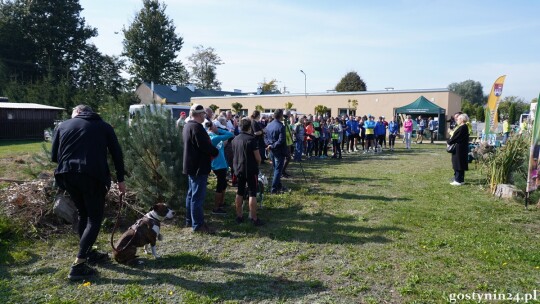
(95, 257)
(257, 222)
(239, 219)
(204, 229)
(219, 211)
(81, 271)
(454, 183)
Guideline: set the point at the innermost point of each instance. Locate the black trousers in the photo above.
(459, 176)
(88, 194)
(391, 140)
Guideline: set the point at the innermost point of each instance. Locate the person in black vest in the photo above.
(80, 148)
(198, 154)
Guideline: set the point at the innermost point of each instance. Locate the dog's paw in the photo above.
(160, 237)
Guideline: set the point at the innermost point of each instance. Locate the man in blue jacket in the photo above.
(80, 148)
(198, 154)
(275, 142)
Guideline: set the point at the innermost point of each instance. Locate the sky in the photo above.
(403, 44)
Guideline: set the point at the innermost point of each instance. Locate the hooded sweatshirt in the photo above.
(80, 145)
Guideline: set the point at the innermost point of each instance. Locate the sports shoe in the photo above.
(257, 222)
(219, 211)
(454, 183)
(81, 271)
(95, 257)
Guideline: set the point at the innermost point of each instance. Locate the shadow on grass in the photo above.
(235, 285)
(318, 228)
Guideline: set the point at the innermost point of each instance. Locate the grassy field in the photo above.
(384, 228)
(16, 159)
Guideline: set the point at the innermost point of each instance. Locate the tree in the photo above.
(321, 110)
(351, 82)
(469, 90)
(480, 113)
(237, 107)
(151, 46)
(269, 87)
(41, 44)
(203, 64)
(288, 105)
(259, 108)
(519, 106)
(213, 107)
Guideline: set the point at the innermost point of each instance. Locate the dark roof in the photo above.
(184, 94)
(420, 106)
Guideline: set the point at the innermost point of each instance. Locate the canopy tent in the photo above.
(422, 106)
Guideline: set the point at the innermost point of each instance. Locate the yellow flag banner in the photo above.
(493, 103)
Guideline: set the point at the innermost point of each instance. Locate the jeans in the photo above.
(299, 148)
(392, 140)
(408, 136)
(195, 199)
(277, 161)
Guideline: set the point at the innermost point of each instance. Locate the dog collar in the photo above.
(156, 218)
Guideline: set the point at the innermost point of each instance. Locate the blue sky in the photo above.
(401, 44)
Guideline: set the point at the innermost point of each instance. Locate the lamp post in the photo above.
(305, 82)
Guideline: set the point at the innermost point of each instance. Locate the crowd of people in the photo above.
(224, 144)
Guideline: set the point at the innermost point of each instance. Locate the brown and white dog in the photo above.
(143, 233)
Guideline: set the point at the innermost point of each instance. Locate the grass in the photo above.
(16, 159)
(384, 228)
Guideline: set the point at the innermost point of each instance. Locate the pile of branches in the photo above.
(29, 205)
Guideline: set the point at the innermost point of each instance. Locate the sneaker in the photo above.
(219, 211)
(454, 183)
(257, 222)
(81, 271)
(204, 229)
(95, 257)
(239, 219)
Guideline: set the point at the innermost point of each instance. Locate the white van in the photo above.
(175, 110)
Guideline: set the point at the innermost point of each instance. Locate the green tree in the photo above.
(203, 64)
(469, 90)
(269, 87)
(214, 107)
(259, 108)
(151, 46)
(42, 43)
(519, 104)
(321, 110)
(236, 107)
(480, 113)
(288, 105)
(351, 82)
(153, 154)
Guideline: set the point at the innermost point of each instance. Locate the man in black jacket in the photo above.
(80, 148)
(198, 155)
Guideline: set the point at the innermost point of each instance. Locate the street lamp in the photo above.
(305, 82)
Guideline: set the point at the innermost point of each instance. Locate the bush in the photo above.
(508, 163)
(153, 152)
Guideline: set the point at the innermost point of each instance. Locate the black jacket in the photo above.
(80, 145)
(198, 149)
(460, 137)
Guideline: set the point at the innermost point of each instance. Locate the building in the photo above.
(377, 103)
(173, 94)
(26, 120)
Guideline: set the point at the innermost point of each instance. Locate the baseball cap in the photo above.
(197, 108)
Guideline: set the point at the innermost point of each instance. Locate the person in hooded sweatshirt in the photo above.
(80, 147)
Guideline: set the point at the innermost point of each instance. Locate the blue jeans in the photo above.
(299, 148)
(195, 199)
(277, 162)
